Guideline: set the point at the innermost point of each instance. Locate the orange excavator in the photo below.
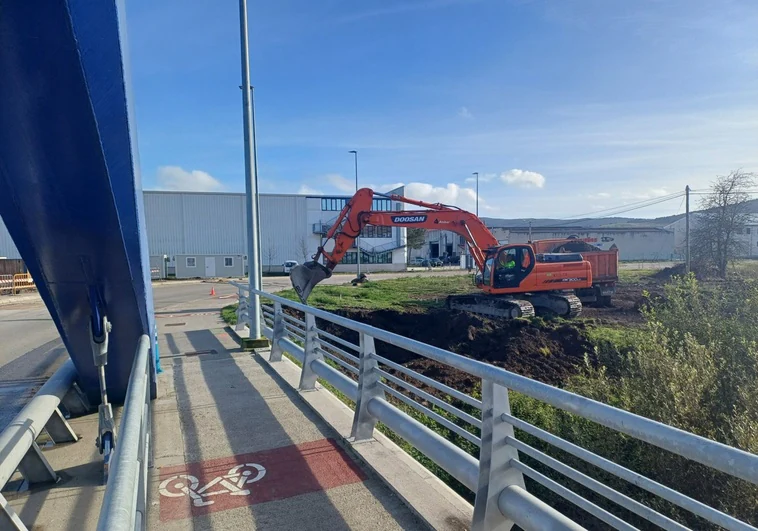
(513, 279)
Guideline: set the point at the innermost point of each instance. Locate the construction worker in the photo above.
(506, 261)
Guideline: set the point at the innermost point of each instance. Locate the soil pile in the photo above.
(547, 352)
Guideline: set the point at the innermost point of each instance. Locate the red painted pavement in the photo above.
(230, 482)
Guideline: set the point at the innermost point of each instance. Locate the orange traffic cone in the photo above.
(213, 292)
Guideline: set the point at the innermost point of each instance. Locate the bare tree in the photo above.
(724, 215)
(302, 249)
(270, 252)
(414, 239)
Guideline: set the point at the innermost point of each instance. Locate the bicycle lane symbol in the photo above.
(231, 483)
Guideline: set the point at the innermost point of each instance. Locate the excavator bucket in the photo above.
(305, 277)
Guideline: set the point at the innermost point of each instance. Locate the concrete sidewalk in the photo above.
(234, 448)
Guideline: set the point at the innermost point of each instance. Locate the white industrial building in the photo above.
(202, 234)
(749, 235)
(639, 243)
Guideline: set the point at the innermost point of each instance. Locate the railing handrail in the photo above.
(120, 509)
(22, 431)
(716, 455)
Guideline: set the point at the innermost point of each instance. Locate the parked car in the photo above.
(436, 262)
(418, 261)
(288, 265)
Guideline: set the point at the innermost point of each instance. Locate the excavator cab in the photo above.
(507, 266)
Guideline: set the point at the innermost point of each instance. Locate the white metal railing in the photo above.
(18, 446)
(125, 501)
(497, 477)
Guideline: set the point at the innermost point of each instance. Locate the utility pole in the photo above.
(251, 188)
(687, 229)
(358, 239)
(477, 192)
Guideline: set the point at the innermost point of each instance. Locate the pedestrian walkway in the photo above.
(235, 447)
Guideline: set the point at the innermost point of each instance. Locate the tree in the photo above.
(415, 239)
(270, 252)
(302, 249)
(724, 215)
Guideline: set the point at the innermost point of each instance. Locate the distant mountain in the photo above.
(596, 223)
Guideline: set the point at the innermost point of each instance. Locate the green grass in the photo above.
(229, 314)
(633, 276)
(400, 294)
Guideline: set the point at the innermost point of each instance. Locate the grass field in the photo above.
(400, 294)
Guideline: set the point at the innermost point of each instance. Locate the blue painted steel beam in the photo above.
(70, 188)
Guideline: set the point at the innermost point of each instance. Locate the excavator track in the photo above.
(566, 305)
(491, 306)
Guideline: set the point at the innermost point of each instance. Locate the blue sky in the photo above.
(563, 106)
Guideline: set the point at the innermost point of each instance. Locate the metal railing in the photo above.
(390, 393)
(18, 446)
(125, 501)
(15, 283)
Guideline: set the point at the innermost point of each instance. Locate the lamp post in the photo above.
(251, 182)
(477, 192)
(358, 239)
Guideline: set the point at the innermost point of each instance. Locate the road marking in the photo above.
(231, 482)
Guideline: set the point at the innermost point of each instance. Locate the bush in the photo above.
(694, 367)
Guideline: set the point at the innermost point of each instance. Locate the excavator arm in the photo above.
(357, 214)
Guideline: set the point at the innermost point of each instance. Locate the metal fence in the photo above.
(343, 353)
(125, 501)
(13, 284)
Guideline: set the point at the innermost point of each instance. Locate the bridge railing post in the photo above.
(241, 309)
(368, 388)
(495, 472)
(278, 332)
(307, 376)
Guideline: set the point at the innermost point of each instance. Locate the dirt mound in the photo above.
(667, 272)
(544, 351)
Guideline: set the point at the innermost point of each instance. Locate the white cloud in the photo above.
(599, 195)
(307, 190)
(451, 194)
(340, 183)
(483, 178)
(464, 113)
(177, 178)
(523, 179)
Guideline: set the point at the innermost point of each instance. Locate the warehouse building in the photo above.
(200, 234)
(748, 236)
(633, 243)
(640, 243)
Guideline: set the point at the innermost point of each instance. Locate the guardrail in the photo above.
(497, 477)
(18, 447)
(125, 501)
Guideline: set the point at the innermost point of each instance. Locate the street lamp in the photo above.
(358, 239)
(477, 192)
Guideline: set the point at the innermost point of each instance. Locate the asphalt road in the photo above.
(31, 346)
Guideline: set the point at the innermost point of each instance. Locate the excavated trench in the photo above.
(548, 352)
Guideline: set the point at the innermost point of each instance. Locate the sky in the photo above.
(563, 107)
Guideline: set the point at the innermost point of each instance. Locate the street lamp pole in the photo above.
(358, 239)
(477, 193)
(251, 188)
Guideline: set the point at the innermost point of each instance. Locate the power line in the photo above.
(619, 209)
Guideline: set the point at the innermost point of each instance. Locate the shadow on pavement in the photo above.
(260, 422)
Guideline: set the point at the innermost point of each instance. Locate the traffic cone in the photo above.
(213, 291)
